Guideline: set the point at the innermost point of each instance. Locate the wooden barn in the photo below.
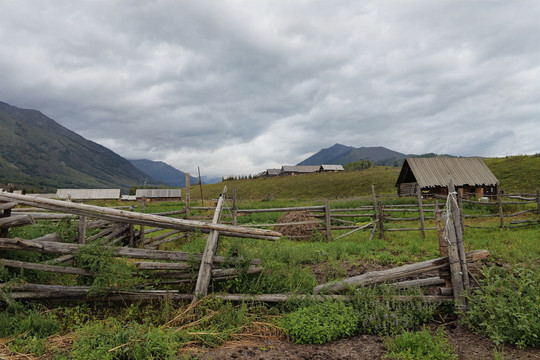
(159, 194)
(471, 176)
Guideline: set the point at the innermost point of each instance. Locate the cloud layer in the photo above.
(236, 87)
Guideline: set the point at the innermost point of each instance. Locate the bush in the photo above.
(421, 345)
(507, 308)
(318, 323)
(380, 314)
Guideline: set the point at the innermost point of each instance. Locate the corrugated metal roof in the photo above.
(159, 193)
(88, 194)
(308, 168)
(273, 172)
(289, 168)
(332, 167)
(430, 172)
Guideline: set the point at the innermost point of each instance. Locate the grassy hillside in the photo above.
(309, 186)
(517, 173)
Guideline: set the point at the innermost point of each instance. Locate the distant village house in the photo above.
(159, 194)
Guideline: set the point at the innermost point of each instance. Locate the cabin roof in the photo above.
(432, 172)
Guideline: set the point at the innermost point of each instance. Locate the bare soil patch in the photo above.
(469, 346)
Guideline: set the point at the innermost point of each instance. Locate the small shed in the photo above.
(159, 194)
(471, 177)
(88, 194)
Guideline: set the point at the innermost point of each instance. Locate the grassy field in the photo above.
(515, 173)
(507, 311)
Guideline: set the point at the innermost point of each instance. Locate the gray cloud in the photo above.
(236, 87)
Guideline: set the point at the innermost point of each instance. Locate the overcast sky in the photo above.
(236, 87)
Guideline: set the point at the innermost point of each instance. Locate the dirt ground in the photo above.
(469, 346)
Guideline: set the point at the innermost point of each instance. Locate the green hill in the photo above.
(308, 186)
(37, 153)
(516, 174)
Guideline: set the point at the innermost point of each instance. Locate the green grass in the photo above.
(516, 173)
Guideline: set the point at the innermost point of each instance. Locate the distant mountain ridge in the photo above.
(163, 172)
(37, 153)
(342, 155)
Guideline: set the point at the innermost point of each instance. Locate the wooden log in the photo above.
(48, 237)
(377, 277)
(46, 216)
(49, 247)
(49, 292)
(15, 220)
(418, 283)
(456, 217)
(8, 205)
(205, 270)
(150, 265)
(380, 220)
(217, 274)
(287, 209)
(161, 237)
(138, 218)
(155, 244)
(46, 268)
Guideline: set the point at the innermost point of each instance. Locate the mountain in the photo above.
(37, 153)
(327, 156)
(163, 172)
(341, 154)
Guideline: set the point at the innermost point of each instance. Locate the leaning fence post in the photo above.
(443, 244)
(499, 201)
(328, 221)
(456, 216)
(381, 216)
(205, 270)
(461, 216)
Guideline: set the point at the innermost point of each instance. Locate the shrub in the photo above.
(421, 345)
(318, 323)
(507, 308)
(380, 314)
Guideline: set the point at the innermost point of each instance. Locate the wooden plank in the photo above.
(327, 221)
(50, 247)
(82, 229)
(139, 218)
(46, 268)
(377, 277)
(499, 202)
(205, 270)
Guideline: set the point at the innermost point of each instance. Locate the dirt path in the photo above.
(468, 345)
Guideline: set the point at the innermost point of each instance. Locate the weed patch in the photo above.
(421, 345)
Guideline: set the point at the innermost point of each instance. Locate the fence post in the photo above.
(82, 229)
(538, 199)
(421, 209)
(5, 231)
(234, 207)
(443, 245)
(453, 257)
(143, 210)
(328, 221)
(499, 200)
(456, 216)
(461, 216)
(381, 216)
(188, 195)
